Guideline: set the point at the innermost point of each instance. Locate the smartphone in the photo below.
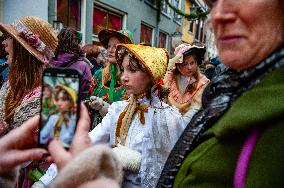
(60, 106)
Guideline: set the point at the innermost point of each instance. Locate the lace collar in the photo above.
(187, 96)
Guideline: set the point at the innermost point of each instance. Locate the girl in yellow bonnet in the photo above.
(142, 130)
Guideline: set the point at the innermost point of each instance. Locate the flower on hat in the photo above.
(31, 38)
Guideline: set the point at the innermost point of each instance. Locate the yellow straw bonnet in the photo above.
(34, 34)
(154, 59)
(70, 91)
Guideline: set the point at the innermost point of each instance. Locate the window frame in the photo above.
(152, 34)
(167, 38)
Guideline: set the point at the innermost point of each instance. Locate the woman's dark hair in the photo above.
(69, 41)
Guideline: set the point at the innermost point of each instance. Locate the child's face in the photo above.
(134, 81)
(62, 103)
(188, 67)
(111, 49)
(47, 92)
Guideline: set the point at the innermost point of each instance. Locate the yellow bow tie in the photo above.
(141, 109)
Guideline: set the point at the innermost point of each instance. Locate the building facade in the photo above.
(11, 10)
(90, 16)
(138, 16)
(199, 31)
(193, 30)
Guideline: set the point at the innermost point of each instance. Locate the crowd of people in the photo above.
(147, 120)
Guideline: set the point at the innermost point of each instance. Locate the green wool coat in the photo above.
(213, 162)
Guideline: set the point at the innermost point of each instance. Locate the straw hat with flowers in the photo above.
(34, 34)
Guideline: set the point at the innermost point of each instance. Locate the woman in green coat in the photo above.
(236, 139)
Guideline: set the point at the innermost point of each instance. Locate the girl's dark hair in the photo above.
(133, 62)
(24, 75)
(69, 41)
(196, 53)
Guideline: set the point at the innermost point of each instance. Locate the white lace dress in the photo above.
(154, 140)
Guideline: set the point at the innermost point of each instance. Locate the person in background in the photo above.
(236, 140)
(106, 87)
(48, 106)
(69, 54)
(30, 43)
(184, 80)
(92, 52)
(102, 57)
(210, 67)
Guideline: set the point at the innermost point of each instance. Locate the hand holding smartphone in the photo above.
(60, 106)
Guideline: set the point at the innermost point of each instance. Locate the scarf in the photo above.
(125, 119)
(61, 119)
(222, 91)
(113, 71)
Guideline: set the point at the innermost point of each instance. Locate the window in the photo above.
(197, 29)
(104, 19)
(162, 40)
(191, 24)
(69, 13)
(201, 31)
(177, 4)
(166, 8)
(146, 34)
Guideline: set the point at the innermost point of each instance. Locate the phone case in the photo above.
(60, 105)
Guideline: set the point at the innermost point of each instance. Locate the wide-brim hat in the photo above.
(154, 59)
(184, 50)
(70, 91)
(124, 36)
(34, 34)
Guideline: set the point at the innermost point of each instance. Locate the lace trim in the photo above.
(29, 107)
(186, 97)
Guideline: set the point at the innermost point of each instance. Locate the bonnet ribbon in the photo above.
(113, 72)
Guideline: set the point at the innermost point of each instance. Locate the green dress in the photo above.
(101, 89)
